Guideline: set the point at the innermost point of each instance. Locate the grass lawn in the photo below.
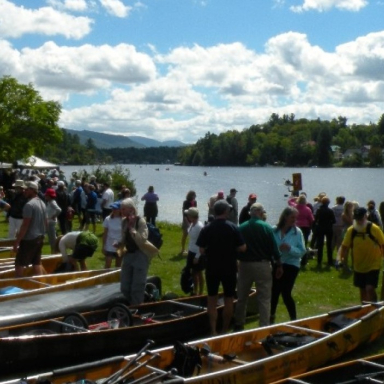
(315, 292)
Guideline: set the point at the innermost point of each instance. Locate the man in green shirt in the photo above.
(255, 266)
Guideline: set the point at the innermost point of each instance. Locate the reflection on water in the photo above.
(268, 183)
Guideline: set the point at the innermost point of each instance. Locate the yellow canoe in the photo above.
(49, 263)
(366, 370)
(261, 355)
(57, 282)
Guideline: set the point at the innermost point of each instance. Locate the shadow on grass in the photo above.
(178, 257)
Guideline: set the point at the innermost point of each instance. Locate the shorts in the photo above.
(361, 280)
(200, 266)
(111, 254)
(228, 279)
(29, 252)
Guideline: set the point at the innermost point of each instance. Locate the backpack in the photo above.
(186, 280)
(368, 233)
(186, 359)
(154, 235)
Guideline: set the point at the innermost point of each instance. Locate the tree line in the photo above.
(287, 141)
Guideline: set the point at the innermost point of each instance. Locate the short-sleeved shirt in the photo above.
(367, 253)
(35, 210)
(109, 197)
(68, 241)
(194, 232)
(220, 239)
(114, 232)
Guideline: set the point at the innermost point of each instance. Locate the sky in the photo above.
(177, 69)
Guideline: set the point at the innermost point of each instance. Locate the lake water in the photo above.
(268, 183)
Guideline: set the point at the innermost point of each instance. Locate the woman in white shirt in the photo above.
(112, 236)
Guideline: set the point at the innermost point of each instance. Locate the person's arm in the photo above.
(139, 234)
(23, 230)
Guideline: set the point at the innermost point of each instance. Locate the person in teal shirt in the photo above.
(290, 241)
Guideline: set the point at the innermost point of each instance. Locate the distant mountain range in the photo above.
(106, 141)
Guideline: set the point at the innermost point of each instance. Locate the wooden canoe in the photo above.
(366, 370)
(51, 343)
(6, 253)
(49, 263)
(56, 282)
(248, 357)
(6, 242)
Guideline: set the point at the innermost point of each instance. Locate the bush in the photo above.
(116, 177)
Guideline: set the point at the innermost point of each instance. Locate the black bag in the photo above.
(186, 280)
(186, 359)
(154, 236)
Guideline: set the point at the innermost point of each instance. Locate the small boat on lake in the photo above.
(261, 355)
(76, 337)
(11, 289)
(366, 370)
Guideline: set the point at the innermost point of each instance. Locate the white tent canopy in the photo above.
(35, 162)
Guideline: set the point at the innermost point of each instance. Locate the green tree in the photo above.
(324, 155)
(27, 122)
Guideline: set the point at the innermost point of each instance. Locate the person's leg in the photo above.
(183, 239)
(289, 278)
(245, 279)
(19, 271)
(329, 236)
(108, 261)
(212, 314)
(139, 277)
(276, 291)
(227, 313)
(263, 280)
(370, 294)
(320, 246)
(201, 282)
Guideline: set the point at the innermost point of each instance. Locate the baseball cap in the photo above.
(192, 211)
(252, 196)
(32, 185)
(257, 207)
(116, 205)
(60, 183)
(359, 213)
(220, 194)
(50, 192)
(221, 206)
(232, 190)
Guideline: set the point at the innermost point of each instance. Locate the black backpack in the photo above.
(186, 359)
(368, 233)
(186, 280)
(154, 236)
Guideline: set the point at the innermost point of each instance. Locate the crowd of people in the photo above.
(238, 251)
(234, 248)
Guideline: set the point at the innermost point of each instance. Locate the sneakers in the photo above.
(184, 253)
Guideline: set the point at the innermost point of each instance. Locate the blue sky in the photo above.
(176, 69)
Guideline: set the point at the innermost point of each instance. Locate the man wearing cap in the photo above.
(234, 212)
(212, 201)
(15, 213)
(220, 241)
(255, 266)
(30, 238)
(367, 243)
(244, 214)
(195, 261)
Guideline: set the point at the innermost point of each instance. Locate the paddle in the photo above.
(70, 325)
(155, 377)
(206, 352)
(138, 356)
(132, 371)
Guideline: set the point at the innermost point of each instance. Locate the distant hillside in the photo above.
(106, 141)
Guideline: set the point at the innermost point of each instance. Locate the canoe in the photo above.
(80, 337)
(36, 285)
(5, 253)
(6, 242)
(366, 370)
(261, 355)
(49, 262)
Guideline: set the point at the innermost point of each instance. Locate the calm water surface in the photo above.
(268, 183)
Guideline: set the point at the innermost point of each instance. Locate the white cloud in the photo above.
(17, 21)
(70, 5)
(116, 7)
(326, 5)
